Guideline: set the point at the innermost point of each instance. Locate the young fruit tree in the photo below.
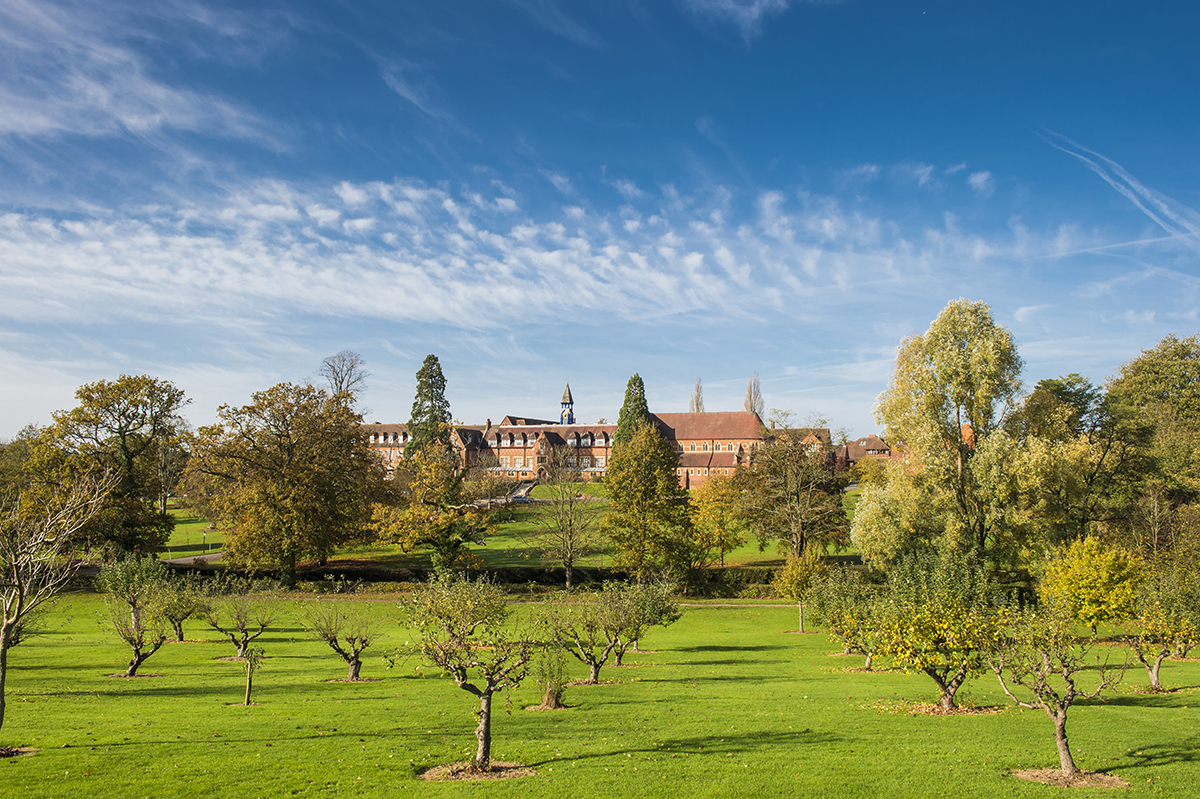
(463, 628)
(1166, 617)
(182, 600)
(252, 662)
(569, 521)
(1037, 652)
(796, 579)
(635, 608)
(33, 565)
(937, 618)
(347, 628)
(240, 616)
(851, 609)
(134, 591)
(586, 629)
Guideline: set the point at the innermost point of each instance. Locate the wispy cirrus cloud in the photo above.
(550, 15)
(73, 69)
(406, 251)
(747, 15)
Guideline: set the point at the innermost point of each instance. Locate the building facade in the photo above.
(518, 447)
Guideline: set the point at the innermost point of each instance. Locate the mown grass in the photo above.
(723, 703)
(192, 535)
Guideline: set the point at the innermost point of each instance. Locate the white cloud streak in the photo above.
(66, 70)
(404, 251)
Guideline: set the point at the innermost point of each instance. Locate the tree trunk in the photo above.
(800, 607)
(178, 625)
(249, 685)
(483, 733)
(594, 676)
(1152, 670)
(870, 658)
(568, 571)
(3, 675)
(552, 699)
(287, 569)
(134, 662)
(355, 666)
(1064, 748)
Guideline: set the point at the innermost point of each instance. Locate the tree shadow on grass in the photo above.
(711, 745)
(1157, 755)
(1174, 700)
(714, 648)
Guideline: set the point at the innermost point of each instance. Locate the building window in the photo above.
(706, 446)
(585, 462)
(504, 461)
(600, 461)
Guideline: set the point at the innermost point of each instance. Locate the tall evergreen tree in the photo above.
(634, 412)
(430, 421)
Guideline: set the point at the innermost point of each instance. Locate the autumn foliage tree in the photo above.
(938, 618)
(431, 509)
(124, 427)
(946, 401)
(720, 527)
(1094, 582)
(291, 474)
(648, 518)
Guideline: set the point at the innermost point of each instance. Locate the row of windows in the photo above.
(702, 472)
(732, 446)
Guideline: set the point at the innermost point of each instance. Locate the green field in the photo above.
(723, 703)
(192, 535)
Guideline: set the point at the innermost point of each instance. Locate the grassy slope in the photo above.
(725, 705)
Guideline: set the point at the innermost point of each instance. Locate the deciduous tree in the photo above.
(754, 398)
(430, 510)
(345, 373)
(122, 427)
(570, 520)
(1037, 651)
(464, 629)
(1094, 582)
(696, 403)
(719, 525)
(1166, 620)
(34, 543)
(291, 474)
(791, 494)
(648, 518)
(946, 402)
(347, 628)
(796, 579)
(134, 591)
(938, 618)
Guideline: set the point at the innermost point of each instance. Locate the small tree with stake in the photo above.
(1038, 652)
(252, 661)
(462, 630)
(240, 616)
(347, 628)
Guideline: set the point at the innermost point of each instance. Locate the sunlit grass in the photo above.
(723, 703)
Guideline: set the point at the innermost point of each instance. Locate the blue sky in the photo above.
(543, 191)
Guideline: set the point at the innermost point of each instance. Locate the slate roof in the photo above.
(710, 426)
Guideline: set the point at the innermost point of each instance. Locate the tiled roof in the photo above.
(711, 426)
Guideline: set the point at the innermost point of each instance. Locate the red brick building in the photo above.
(517, 447)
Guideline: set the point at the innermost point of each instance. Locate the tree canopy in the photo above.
(429, 423)
(946, 402)
(648, 516)
(634, 412)
(292, 473)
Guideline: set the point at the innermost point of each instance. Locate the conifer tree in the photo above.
(430, 421)
(634, 412)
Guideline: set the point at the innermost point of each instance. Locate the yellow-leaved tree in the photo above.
(1096, 583)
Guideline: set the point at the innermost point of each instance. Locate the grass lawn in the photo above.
(723, 703)
(191, 535)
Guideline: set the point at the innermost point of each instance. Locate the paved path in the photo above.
(190, 560)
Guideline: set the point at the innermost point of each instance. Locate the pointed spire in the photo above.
(566, 400)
